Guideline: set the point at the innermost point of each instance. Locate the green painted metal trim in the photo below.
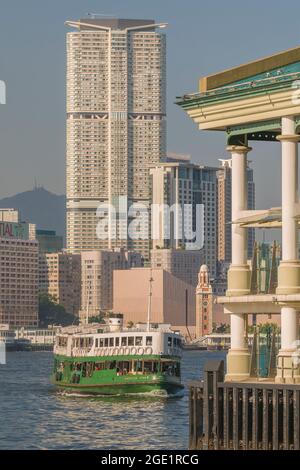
(223, 95)
(265, 130)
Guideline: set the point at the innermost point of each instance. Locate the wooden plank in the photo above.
(245, 408)
(206, 411)
(235, 418)
(285, 420)
(254, 418)
(265, 416)
(226, 420)
(275, 419)
(296, 404)
(191, 419)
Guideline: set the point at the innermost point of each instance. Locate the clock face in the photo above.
(205, 303)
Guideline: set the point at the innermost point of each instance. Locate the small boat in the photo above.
(108, 359)
(7, 337)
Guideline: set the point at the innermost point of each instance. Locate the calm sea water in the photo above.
(34, 415)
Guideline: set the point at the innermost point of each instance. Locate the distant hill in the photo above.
(41, 207)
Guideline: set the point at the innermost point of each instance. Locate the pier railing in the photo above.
(243, 416)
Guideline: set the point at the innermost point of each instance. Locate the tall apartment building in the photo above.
(224, 211)
(116, 125)
(97, 269)
(183, 184)
(18, 275)
(60, 277)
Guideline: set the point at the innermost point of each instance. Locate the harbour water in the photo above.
(35, 416)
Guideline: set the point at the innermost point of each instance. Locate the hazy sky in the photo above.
(202, 37)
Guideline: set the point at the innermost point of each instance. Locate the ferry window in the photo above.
(124, 341)
(111, 365)
(111, 342)
(148, 366)
(169, 341)
(123, 367)
(155, 366)
(89, 368)
(139, 341)
(100, 365)
(117, 341)
(101, 342)
(62, 341)
(148, 340)
(81, 342)
(106, 342)
(167, 367)
(130, 341)
(96, 343)
(138, 366)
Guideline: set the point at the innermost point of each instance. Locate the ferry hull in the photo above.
(121, 389)
(109, 382)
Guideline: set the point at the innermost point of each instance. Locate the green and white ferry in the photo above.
(108, 359)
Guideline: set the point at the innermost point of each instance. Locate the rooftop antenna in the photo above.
(99, 15)
(149, 301)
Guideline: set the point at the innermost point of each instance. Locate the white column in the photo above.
(238, 358)
(239, 203)
(237, 328)
(289, 269)
(289, 316)
(289, 190)
(289, 328)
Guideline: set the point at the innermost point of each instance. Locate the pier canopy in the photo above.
(248, 101)
(258, 101)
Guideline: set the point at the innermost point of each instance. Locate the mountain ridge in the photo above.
(41, 207)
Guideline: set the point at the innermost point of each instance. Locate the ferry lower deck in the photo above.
(118, 374)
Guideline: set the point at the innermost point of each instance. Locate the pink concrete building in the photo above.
(131, 289)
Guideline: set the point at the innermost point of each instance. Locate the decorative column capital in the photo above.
(242, 149)
(289, 138)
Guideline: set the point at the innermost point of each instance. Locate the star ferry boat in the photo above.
(111, 360)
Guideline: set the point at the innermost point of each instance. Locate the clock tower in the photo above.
(204, 303)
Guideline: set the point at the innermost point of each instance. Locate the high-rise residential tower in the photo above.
(185, 184)
(116, 125)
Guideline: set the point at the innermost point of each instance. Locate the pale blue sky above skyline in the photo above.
(202, 38)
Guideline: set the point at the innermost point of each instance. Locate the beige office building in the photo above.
(116, 125)
(184, 264)
(9, 215)
(60, 277)
(97, 269)
(170, 296)
(18, 276)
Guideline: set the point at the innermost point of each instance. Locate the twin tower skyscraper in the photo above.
(116, 125)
